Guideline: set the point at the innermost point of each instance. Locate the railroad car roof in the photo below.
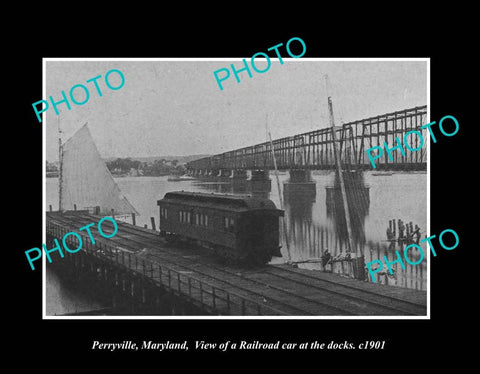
(218, 200)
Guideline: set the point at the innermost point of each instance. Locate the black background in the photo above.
(408, 342)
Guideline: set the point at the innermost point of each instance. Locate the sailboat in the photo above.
(85, 181)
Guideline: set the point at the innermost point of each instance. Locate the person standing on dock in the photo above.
(326, 259)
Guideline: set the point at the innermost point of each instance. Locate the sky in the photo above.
(172, 107)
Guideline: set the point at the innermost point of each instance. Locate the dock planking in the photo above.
(221, 288)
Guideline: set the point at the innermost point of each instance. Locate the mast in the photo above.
(60, 166)
(339, 170)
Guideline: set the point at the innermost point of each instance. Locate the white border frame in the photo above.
(330, 59)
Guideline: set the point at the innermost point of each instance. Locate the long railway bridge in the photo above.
(138, 272)
(314, 150)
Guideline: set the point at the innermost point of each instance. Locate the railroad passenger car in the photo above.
(242, 228)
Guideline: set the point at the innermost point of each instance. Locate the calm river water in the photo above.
(313, 226)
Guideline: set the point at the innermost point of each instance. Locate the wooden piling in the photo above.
(152, 219)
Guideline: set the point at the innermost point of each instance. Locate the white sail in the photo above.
(85, 179)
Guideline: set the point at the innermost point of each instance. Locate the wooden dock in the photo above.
(140, 263)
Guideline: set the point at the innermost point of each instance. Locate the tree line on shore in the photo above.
(127, 166)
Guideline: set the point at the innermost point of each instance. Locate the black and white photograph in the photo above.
(277, 196)
(284, 194)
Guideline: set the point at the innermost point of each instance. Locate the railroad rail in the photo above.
(139, 262)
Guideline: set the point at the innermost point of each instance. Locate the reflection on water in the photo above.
(358, 202)
(315, 220)
(64, 299)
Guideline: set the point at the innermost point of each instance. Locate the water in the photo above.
(311, 227)
(62, 299)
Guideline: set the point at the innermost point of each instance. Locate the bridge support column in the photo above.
(239, 180)
(300, 182)
(260, 181)
(211, 174)
(239, 174)
(224, 175)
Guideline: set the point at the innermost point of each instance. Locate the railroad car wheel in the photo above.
(257, 259)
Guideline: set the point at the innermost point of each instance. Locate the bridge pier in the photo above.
(225, 175)
(300, 182)
(212, 174)
(260, 181)
(239, 174)
(200, 173)
(239, 180)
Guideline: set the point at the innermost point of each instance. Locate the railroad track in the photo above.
(334, 289)
(181, 264)
(271, 284)
(382, 300)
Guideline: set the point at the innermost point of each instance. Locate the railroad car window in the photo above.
(163, 212)
(197, 219)
(206, 220)
(189, 216)
(228, 223)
